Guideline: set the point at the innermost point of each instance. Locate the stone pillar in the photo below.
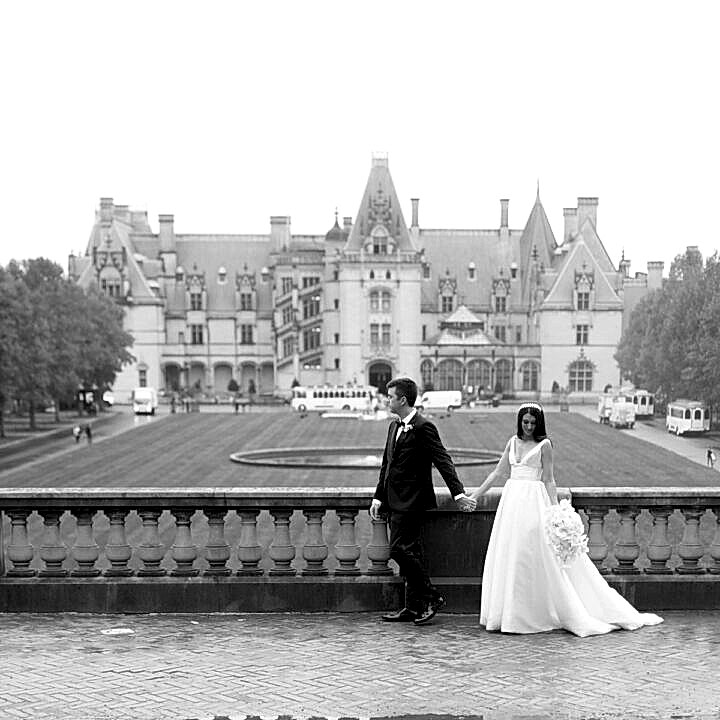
(217, 551)
(85, 551)
(690, 549)
(20, 552)
(282, 551)
(597, 547)
(248, 550)
(378, 549)
(53, 551)
(659, 548)
(182, 551)
(715, 547)
(315, 550)
(347, 551)
(151, 550)
(627, 549)
(117, 550)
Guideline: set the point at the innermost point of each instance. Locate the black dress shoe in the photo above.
(403, 615)
(432, 608)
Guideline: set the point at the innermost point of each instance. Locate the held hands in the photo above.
(375, 509)
(465, 503)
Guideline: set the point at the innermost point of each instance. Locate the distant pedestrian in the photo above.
(77, 432)
(173, 403)
(88, 433)
(710, 458)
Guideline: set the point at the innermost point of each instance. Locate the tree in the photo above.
(672, 341)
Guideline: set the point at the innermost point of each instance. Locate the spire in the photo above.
(537, 197)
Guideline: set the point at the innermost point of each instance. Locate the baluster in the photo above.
(347, 551)
(249, 551)
(117, 550)
(182, 551)
(53, 550)
(315, 550)
(217, 551)
(85, 551)
(597, 547)
(20, 552)
(151, 551)
(659, 547)
(378, 549)
(690, 550)
(627, 549)
(715, 547)
(282, 551)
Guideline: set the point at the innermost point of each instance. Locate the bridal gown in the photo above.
(525, 589)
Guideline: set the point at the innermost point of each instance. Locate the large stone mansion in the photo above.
(507, 309)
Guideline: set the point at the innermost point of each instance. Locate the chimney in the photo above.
(504, 213)
(587, 210)
(654, 276)
(347, 224)
(571, 223)
(106, 209)
(280, 231)
(167, 233)
(415, 204)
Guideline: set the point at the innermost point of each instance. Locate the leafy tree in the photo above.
(672, 341)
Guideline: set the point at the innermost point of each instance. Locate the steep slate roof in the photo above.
(456, 249)
(537, 238)
(379, 206)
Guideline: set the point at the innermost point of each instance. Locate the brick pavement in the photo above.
(348, 665)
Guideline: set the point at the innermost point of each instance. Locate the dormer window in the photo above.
(379, 241)
(513, 270)
(195, 300)
(179, 273)
(583, 299)
(222, 275)
(471, 271)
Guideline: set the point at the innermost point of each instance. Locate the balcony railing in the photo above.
(645, 540)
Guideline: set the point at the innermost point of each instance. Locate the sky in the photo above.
(225, 113)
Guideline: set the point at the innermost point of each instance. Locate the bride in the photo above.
(525, 589)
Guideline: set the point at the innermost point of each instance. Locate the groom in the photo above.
(405, 491)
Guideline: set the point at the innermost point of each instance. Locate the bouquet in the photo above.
(565, 532)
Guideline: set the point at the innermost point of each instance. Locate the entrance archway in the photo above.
(379, 375)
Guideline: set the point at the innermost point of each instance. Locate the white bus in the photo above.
(687, 416)
(333, 397)
(144, 401)
(644, 403)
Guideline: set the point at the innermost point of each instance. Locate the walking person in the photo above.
(405, 492)
(525, 587)
(710, 458)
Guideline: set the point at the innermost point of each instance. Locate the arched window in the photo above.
(580, 376)
(503, 376)
(479, 374)
(529, 373)
(449, 375)
(426, 374)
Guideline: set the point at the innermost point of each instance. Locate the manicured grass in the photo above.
(194, 449)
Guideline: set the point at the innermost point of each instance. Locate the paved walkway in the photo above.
(82, 667)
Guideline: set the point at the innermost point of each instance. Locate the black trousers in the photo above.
(406, 549)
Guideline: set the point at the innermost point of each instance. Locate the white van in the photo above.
(439, 400)
(687, 416)
(144, 401)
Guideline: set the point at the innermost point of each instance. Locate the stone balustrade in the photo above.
(215, 549)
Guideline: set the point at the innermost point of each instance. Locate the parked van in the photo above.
(622, 412)
(687, 416)
(144, 401)
(439, 400)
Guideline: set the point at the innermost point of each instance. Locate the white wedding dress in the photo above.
(525, 589)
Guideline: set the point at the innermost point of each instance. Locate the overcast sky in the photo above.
(224, 113)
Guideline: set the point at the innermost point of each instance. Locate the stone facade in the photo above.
(505, 310)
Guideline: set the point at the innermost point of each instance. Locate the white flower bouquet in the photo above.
(565, 532)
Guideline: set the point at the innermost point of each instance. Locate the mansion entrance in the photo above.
(379, 375)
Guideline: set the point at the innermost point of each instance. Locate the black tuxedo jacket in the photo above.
(405, 482)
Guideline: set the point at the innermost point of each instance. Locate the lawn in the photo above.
(193, 450)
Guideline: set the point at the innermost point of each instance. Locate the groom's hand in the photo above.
(375, 509)
(465, 503)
